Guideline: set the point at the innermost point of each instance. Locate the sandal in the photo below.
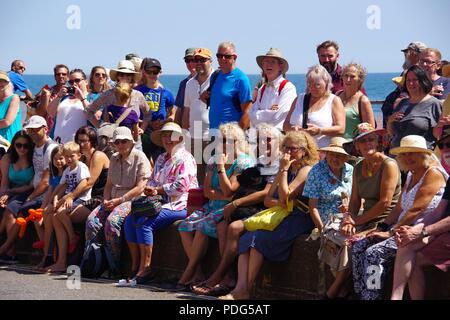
(234, 296)
(182, 287)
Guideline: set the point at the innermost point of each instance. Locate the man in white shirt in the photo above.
(276, 95)
(195, 113)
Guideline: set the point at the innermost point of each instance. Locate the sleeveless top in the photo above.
(409, 196)
(301, 202)
(352, 119)
(9, 132)
(21, 177)
(54, 181)
(99, 185)
(369, 189)
(322, 118)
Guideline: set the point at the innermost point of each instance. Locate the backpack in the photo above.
(235, 99)
(280, 88)
(94, 261)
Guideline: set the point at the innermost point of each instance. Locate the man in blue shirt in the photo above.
(16, 78)
(230, 91)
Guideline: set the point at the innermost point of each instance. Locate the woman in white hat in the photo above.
(421, 194)
(128, 173)
(276, 95)
(175, 173)
(9, 108)
(124, 73)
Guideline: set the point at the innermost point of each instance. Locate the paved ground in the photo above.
(19, 282)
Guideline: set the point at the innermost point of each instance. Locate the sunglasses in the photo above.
(292, 149)
(22, 68)
(75, 81)
(19, 145)
(189, 60)
(200, 60)
(100, 75)
(152, 73)
(119, 141)
(226, 56)
(61, 74)
(443, 145)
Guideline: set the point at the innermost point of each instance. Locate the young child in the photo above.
(122, 93)
(44, 227)
(67, 196)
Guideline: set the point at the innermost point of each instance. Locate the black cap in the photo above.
(148, 63)
(131, 56)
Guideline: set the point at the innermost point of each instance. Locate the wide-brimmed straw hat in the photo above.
(124, 66)
(4, 76)
(274, 53)
(411, 143)
(364, 129)
(336, 146)
(167, 127)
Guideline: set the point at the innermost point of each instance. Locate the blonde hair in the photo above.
(122, 92)
(436, 52)
(232, 131)
(305, 141)
(428, 160)
(71, 147)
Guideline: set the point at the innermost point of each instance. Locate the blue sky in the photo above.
(165, 28)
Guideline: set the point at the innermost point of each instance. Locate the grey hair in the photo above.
(233, 131)
(362, 72)
(428, 160)
(228, 44)
(265, 127)
(319, 72)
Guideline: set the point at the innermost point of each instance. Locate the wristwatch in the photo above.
(424, 232)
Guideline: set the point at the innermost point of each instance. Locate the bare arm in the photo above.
(314, 213)
(367, 111)
(389, 180)
(287, 123)
(42, 186)
(432, 182)
(185, 118)
(11, 114)
(338, 115)
(4, 165)
(244, 123)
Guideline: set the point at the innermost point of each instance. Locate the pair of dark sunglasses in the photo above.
(19, 145)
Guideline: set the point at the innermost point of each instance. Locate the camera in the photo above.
(70, 90)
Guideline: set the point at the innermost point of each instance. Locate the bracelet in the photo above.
(220, 171)
(123, 199)
(233, 203)
(83, 99)
(284, 170)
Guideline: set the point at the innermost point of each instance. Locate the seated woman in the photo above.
(175, 173)
(128, 173)
(220, 185)
(249, 201)
(325, 184)
(421, 194)
(299, 155)
(319, 112)
(16, 184)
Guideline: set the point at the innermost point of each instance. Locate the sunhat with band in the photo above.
(167, 127)
(124, 66)
(336, 146)
(362, 130)
(411, 143)
(274, 53)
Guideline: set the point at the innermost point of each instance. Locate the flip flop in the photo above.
(219, 290)
(233, 296)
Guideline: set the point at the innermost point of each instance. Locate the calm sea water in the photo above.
(378, 85)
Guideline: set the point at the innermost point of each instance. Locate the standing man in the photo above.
(179, 100)
(195, 112)
(16, 78)
(328, 53)
(430, 62)
(412, 53)
(231, 94)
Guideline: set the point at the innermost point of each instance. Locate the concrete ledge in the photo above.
(300, 277)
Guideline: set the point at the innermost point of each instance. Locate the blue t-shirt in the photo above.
(158, 104)
(17, 81)
(179, 100)
(227, 86)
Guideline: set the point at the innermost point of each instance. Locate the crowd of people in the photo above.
(121, 155)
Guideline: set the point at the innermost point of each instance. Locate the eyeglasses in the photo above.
(200, 60)
(21, 68)
(19, 145)
(75, 81)
(226, 56)
(152, 73)
(31, 130)
(100, 75)
(292, 149)
(427, 62)
(444, 144)
(120, 141)
(189, 60)
(61, 74)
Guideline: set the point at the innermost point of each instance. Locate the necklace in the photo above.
(370, 169)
